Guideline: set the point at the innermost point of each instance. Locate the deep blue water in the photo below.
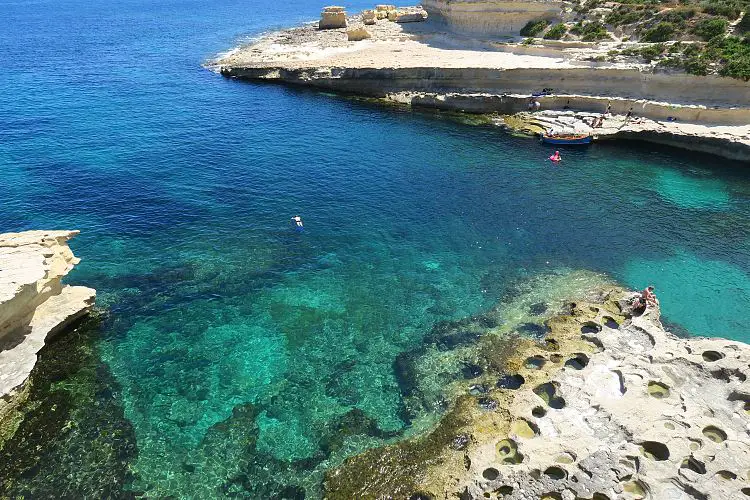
(182, 184)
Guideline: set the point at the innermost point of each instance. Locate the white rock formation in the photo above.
(649, 416)
(34, 304)
(332, 17)
(381, 11)
(407, 15)
(358, 33)
(491, 17)
(369, 17)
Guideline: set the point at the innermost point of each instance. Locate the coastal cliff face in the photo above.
(606, 405)
(488, 17)
(34, 304)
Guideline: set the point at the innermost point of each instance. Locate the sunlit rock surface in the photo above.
(332, 17)
(605, 405)
(491, 17)
(34, 304)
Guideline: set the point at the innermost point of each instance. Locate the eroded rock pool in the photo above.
(237, 357)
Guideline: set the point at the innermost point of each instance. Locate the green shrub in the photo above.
(735, 56)
(725, 8)
(652, 51)
(678, 16)
(590, 32)
(662, 32)
(556, 32)
(533, 28)
(696, 66)
(626, 14)
(709, 28)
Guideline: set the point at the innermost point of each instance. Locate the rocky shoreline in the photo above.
(34, 305)
(606, 405)
(423, 64)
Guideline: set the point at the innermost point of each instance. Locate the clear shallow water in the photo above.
(182, 184)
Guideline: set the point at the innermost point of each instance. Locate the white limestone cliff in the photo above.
(491, 17)
(34, 304)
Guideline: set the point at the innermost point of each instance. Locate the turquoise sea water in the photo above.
(235, 346)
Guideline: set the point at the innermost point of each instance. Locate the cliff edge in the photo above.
(34, 304)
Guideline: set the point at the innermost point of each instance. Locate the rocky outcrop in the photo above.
(490, 17)
(34, 304)
(357, 34)
(369, 17)
(606, 405)
(332, 17)
(407, 15)
(382, 10)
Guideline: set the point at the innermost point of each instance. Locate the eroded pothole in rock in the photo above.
(556, 473)
(548, 392)
(490, 473)
(565, 458)
(538, 412)
(712, 356)
(552, 495)
(655, 450)
(636, 488)
(504, 491)
(610, 322)
(658, 390)
(727, 475)
(512, 382)
(695, 444)
(524, 429)
(535, 362)
(715, 434)
(590, 327)
(694, 465)
(578, 362)
(507, 452)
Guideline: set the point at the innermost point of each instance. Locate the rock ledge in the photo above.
(34, 304)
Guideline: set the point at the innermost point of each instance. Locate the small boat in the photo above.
(567, 139)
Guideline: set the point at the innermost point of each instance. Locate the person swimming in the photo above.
(298, 221)
(555, 157)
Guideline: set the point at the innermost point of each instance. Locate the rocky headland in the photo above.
(455, 56)
(34, 304)
(604, 404)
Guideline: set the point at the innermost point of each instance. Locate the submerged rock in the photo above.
(34, 304)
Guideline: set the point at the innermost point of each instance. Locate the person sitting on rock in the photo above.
(648, 296)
